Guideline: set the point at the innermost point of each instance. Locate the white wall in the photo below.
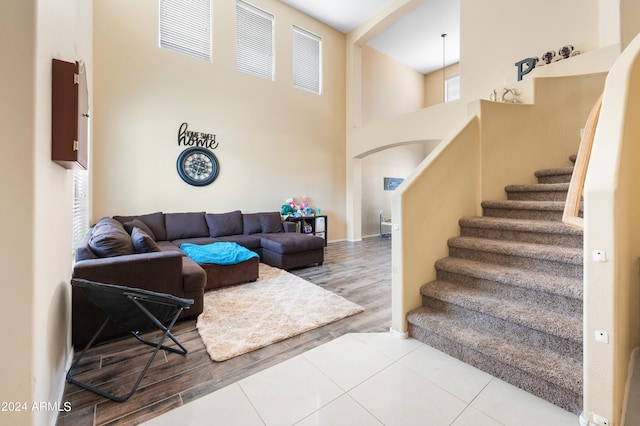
(275, 141)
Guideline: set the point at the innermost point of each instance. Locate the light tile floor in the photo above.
(369, 379)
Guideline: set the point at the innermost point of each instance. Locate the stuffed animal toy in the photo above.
(289, 208)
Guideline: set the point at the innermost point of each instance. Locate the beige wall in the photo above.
(426, 208)
(275, 141)
(434, 85)
(520, 139)
(494, 35)
(397, 162)
(17, 188)
(629, 15)
(37, 207)
(389, 88)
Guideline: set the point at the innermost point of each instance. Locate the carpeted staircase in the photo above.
(508, 299)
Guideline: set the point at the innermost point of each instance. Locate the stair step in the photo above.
(537, 370)
(523, 230)
(475, 273)
(561, 261)
(538, 192)
(558, 175)
(533, 210)
(523, 313)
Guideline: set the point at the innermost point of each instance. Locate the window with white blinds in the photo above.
(254, 40)
(80, 215)
(307, 60)
(185, 26)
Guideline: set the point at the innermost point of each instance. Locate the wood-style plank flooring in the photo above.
(358, 271)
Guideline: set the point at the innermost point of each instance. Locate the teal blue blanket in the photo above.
(220, 253)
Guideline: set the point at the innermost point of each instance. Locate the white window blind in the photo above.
(452, 88)
(185, 26)
(80, 214)
(254, 40)
(307, 60)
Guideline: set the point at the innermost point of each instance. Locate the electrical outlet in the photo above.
(602, 337)
(599, 420)
(599, 256)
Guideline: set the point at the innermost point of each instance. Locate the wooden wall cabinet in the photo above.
(69, 115)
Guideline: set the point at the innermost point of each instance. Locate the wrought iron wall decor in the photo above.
(197, 165)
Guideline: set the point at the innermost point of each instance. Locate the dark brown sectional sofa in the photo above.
(144, 251)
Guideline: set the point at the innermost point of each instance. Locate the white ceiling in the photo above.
(415, 40)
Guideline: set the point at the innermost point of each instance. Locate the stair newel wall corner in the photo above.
(612, 227)
(425, 209)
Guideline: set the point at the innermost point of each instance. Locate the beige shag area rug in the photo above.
(279, 305)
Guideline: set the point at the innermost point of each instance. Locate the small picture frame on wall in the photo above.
(390, 184)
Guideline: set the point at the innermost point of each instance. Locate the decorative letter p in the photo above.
(529, 62)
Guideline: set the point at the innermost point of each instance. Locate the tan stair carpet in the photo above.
(508, 299)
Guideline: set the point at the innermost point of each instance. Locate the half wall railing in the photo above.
(571, 215)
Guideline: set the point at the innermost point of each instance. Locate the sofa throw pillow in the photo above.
(137, 223)
(142, 242)
(109, 240)
(155, 222)
(223, 224)
(251, 223)
(83, 251)
(107, 221)
(271, 222)
(185, 225)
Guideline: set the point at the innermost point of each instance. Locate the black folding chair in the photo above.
(134, 310)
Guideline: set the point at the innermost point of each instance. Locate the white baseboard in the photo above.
(582, 421)
(67, 366)
(400, 334)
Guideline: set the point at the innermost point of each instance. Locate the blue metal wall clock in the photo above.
(198, 166)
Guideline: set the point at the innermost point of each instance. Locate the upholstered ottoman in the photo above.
(289, 250)
(223, 275)
(225, 263)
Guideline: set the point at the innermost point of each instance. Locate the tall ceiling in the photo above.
(414, 40)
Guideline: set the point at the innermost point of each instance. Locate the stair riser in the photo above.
(565, 178)
(537, 195)
(512, 292)
(518, 261)
(562, 397)
(555, 215)
(500, 327)
(564, 240)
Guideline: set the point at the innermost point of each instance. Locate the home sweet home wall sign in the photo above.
(187, 137)
(197, 165)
